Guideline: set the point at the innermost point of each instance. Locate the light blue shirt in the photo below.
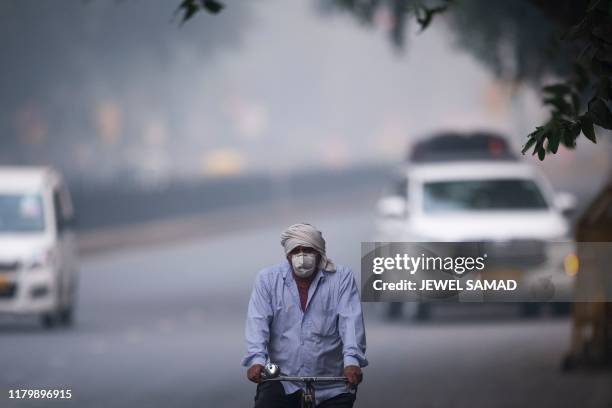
(321, 341)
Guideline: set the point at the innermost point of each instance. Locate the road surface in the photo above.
(162, 326)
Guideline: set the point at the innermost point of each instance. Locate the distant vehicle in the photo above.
(452, 146)
(38, 261)
(472, 188)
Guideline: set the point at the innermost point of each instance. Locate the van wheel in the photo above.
(66, 316)
(48, 320)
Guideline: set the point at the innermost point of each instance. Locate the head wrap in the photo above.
(303, 234)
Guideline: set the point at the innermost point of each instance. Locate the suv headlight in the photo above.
(571, 264)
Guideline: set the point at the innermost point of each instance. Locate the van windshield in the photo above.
(483, 195)
(21, 213)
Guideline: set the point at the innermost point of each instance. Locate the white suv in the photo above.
(38, 262)
(500, 202)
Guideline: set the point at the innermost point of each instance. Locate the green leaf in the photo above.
(575, 102)
(540, 135)
(529, 143)
(541, 153)
(557, 89)
(189, 8)
(553, 139)
(586, 125)
(598, 110)
(572, 134)
(535, 136)
(212, 6)
(425, 16)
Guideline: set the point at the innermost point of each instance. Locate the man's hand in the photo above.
(254, 373)
(353, 374)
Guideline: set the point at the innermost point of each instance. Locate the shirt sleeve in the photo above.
(257, 330)
(350, 323)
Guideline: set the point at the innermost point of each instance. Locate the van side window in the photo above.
(64, 212)
(59, 213)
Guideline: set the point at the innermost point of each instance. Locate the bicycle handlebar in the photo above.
(306, 379)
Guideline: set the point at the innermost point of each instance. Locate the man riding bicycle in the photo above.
(305, 315)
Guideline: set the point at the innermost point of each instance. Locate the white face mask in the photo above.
(304, 265)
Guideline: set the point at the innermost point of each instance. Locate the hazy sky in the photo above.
(108, 88)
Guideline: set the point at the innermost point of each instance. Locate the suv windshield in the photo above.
(21, 213)
(483, 195)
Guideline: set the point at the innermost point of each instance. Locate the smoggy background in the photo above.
(189, 148)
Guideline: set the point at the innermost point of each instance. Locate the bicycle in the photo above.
(272, 373)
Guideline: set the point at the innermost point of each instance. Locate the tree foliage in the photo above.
(589, 82)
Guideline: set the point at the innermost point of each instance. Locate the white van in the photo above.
(38, 262)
